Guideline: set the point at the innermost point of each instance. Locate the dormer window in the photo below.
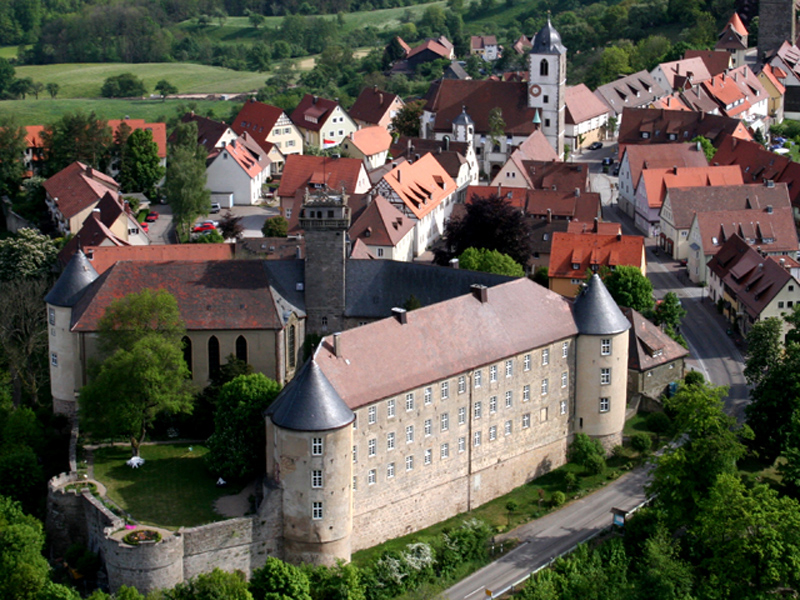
(575, 266)
(645, 135)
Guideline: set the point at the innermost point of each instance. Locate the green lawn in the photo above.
(172, 489)
(45, 110)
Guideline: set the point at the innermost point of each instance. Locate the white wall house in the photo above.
(236, 171)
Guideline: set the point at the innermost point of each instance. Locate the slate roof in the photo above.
(77, 187)
(648, 346)
(258, 119)
(659, 124)
(582, 105)
(372, 105)
(310, 403)
(547, 41)
(593, 250)
(380, 224)
(380, 359)
(635, 90)
(595, 311)
(70, 286)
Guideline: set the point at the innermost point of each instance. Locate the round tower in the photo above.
(66, 369)
(310, 458)
(547, 83)
(602, 361)
(464, 127)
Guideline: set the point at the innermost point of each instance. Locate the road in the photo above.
(713, 353)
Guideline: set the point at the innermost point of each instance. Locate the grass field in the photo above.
(172, 489)
(45, 110)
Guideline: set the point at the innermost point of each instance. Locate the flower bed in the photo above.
(142, 536)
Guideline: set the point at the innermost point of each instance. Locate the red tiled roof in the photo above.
(756, 162)
(658, 181)
(685, 202)
(77, 187)
(678, 70)
(243, 158)
(380, 224)
(516, 197)
(673, 102)
(421, 185)
(754, 226)
(537, 148)
(258, 119)
(312, 112)
(209, 132)
(432, 45)
(103, 257)
(659, 124)
(588, 250)
(655, 156)
(582, 104)
(372, 105)
(555, 175)
(301, 169)
(772, 73)
(93, 233)
(33, 135)
(716, 61)
(596, 227)
(736, 23)
(371, 140)
(540, 204)
(159, 131)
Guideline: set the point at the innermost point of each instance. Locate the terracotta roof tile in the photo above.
(664, 156)
(299, 170)
(756, 162)
(159, 131)
(77, 187)
(649, 347)
(754, 226)
(381, 224)
(421, 185)
(658, 181)
(371, 140)
(716, 61)
(659, 124)
(587, 250)
(312, 112)
(582, 104)
(258, 119)
(372, 105)
(103, 257)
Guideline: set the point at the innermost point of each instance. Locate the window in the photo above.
(780, 304)
(355, 453)
(292, 351)
(187, 352)
(544, 68)
(509, 399)
(478, 410)
(462, 384)
(372, 414)
(564, 379)
(428, 427)
(372, 447)
(445, 421)
(409, 434)
(547, 122)
(605, 347)
(462, 444)
(390, 408)
(562, 407)
(477, 438)
(241, 348)
(51, 316)
(543, 415)
(316, 446)
(355, 480)
(526, 393)
(213, 356)
(526, 420)
(544, 386)
(390, 440)
(604, 404)
(605, 376)
(509, 368)
(545, 98)
(316, 510)
(371, 477)
(409, 401)
(462, 415)
(428, 394)
(493, 404)
(444, 451)
(507, 428)
(445, 390)
(527, 362)
(316, 479)
(389, 470)
(410, 463)
(492, 433)
(545, 356)
(428, 456)
(493, 373)
(54, 359)
(478, 378)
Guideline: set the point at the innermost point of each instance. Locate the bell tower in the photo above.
(547, 82)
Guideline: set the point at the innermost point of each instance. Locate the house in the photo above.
(271, 129)
(238, 170)
(72, 194)
(375, 107)
(771, 230)
(424, 192)
(544, 204)
(680, 74)
(716, 61)
(159, 131)
(484, 46)
(370, 144)
(750, 287)
(427, 51)
(384, 231)
(515, 173)
(635, 159)
(323, 123)
(457, 158)
(544, 175)
(771, 77)
(787, 60)
(733, 39)
(573, 255)
(739, 94)
(211, 134)
(681, 204)
(455, 71)
(637, 90)
(655, 185)
(34, 148)
(655, 362)
(586, 120)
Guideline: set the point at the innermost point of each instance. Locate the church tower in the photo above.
(547, 82)
(464, 127)
(777, 23)
(325, 218)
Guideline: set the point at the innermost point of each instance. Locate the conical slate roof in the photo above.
(310, 403)
(596, 313)
(547, 41)
(463, 118)
(76, 277)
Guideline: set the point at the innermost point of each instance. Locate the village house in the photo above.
(237, 171)
(586, 120)
(786, 60)
(158, 130)
(211, 134)
(457, 158)
(716, 61)
(271, 129)
(72, 194)
(637, 90)
(375, 107)
(370, 144)
(383, 232)
(680, 74)
(734, 39)
(771, 78)
(515, 172)
(323, 123)
(485, 46)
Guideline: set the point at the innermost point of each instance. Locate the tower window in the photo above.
(316, 511)
(547, 122)
(545, 98)
(316, 446)
(544, 68)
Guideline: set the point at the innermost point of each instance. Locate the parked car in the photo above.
(209, 222)
(608, 161)
(203, 227)
(215, 208)
(144, 227)
(595, 145)
(151, 216)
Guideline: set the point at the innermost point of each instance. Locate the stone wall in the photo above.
(146, 567)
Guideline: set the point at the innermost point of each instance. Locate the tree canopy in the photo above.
(489, 261)
(140, 168)
(185, 186)
(12, 151)
(278, 580)
(630, 288)
(137, 315)
(125, 85)
(76, 136)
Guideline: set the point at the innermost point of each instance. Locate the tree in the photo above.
(664, 576)
(124, 85)
(763, 349)
(53, 89)
(706, 145)
(230, 226)
(24, 572)
(21, 87)
(630, 288)
(275, 227)
(235, 448)
(497, 126)
(185, 185)
(342, 582)
(489, 261)
(216, 585)
(278, 580)
(583, 448)
(12, 152)
(37, 88)
(76, 136)
(221, 16)
(669, 311)
(137, 315)
(406, 121)
(7, 75)
(256, 19)
(165, 88)
(140, 169)
(490, 223)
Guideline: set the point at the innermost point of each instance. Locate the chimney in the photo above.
(89, 172)
(337, 346)
(314, 99)
(481, 292)
(453, 263)
(499, 189)
(619, 237)
(549, 215)
(675, 169)
(783, 262)
(577, 192)
(769, 183)
(297, 253)
(400, 314)
(594, 225)
(96, 212)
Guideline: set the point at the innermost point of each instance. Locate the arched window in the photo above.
(544, 68)
(291, 348)
(241, 348)
(187, 352)
(213, 356)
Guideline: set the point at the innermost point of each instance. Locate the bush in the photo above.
(641, 442)
(583, 448)
(596, 464)
(619, 451)
(275, 227)
(558, 498)
(694, 378)
(126, 85)
(571, 481)
(658, 422)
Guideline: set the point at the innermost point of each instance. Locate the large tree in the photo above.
(140, 169)
(185, 185)
(630, 288)
(490, 223)
(406, 121)
(76, 136)
(489, 261)
(278, 580)
(137, 315)
(124, 85)
(12, 153)
(763, 349)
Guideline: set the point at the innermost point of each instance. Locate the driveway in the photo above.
(253, 218)
(161, 231)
